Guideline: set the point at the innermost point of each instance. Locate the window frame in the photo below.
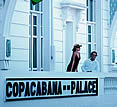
(112, 56)
(39, 37)
(91, 22)
(93, 37)
(47, 36)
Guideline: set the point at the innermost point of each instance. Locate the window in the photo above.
(90, 10)
(36, 37)
(91, 39)
(113, 56)
(91, 26)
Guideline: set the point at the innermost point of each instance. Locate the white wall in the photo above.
(19, 34)
(58, 34)
(105, 35)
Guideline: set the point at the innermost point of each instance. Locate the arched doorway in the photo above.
(113, 43)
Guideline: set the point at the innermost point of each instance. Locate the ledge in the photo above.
(73, 4)
(48, 74)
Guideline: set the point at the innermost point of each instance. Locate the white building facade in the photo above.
(36, 41)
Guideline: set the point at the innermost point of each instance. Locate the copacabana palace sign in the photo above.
(44, 88)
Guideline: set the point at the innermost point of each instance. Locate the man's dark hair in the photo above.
(94, 52)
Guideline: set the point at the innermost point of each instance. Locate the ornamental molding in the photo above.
(71, 11)
(73, 4)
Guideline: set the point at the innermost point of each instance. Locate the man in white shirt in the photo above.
(91, 65)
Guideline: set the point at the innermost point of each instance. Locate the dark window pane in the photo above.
(41, 20)
(87, 14)
(34, 20)
(89, 29)
(113, 56)
(87, 2)
(89, 50)
(89, 38)
(41, 52)
(31, 6)
(37, 7)
(34, 30)
(8, 48)
(34, 53)
(91, 10)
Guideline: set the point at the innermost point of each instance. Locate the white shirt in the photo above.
(90, 66)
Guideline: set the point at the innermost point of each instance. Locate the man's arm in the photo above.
(97, 67)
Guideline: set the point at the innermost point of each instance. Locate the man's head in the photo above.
(93, 55)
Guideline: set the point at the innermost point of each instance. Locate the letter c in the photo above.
(33, 85)
(8, 91)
